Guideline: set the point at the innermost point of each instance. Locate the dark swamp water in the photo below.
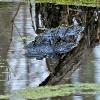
(31, 72)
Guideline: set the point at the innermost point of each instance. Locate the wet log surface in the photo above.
(55, 15)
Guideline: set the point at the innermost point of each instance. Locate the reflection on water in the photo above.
(23, 72)
(5, 17)
(88, 73)
(97, 63)
(26, 72)
(77, 98)
(97, 66)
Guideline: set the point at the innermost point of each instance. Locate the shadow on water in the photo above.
(5, 33)
(31, 72)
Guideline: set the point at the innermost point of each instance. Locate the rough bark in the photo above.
(55, 15)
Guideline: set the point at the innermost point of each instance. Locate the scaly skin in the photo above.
(51, 36)
(46, 45)
(41, 51)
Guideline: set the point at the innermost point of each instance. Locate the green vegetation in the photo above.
(59, 90)
(92, 3)
(4, 97)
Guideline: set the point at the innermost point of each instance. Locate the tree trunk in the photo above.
(62, 68)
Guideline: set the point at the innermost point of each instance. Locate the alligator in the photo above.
(41, 51)
(45, 46)
(64, 48)
(65, 34)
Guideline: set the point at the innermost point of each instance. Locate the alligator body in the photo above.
(69, 34)
(64, 48)
(47, 44)
(41, 51)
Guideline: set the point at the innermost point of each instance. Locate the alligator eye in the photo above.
(33, 42)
